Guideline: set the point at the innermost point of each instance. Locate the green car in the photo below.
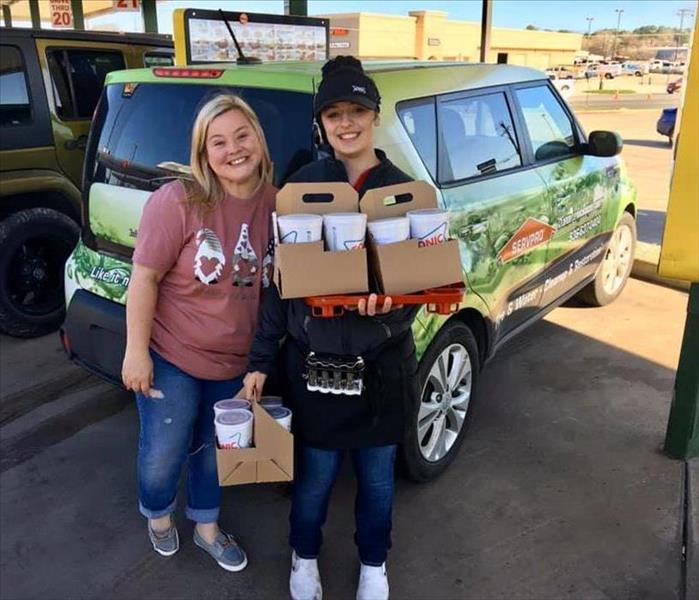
(541, 210)
(50, 82)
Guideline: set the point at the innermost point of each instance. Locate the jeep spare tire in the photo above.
(35, 245)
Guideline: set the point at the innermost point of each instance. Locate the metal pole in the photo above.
(78, 18)
(486, 22)
(6, 15)
(682, 437)
(678, 39)
(34, 12)
(296, 7)
(589, 25)
(150, 16)
(618, 11)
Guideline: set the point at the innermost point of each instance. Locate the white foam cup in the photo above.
(300, 228)
(230, 404)
(389, 231)
(344, 231)
(234, 429)
(268, 402)
(281, 415)
(429, 226)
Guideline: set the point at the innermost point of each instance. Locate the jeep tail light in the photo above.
(195, 73)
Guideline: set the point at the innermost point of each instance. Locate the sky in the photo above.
(551, 14)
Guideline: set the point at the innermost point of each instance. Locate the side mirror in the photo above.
(604, 143)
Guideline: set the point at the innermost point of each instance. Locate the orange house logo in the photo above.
(532, 234)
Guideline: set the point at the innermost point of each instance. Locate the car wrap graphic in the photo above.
(102, 275)
(531, 234)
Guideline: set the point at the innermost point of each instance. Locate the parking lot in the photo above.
(560, 490)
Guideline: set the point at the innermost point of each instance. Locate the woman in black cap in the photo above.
(326, 425)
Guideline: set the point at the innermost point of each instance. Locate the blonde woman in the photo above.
(201, 261)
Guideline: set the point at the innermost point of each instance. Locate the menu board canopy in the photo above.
(201, 36)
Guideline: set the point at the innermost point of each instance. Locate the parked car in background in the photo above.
(564, 86)
(674, 86)
(561, 72)
(50, 82)
(635, 68)
(666, 123)
(608, 71)
(541, 211)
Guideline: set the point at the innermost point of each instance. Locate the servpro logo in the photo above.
(116, 276)
(530, 235)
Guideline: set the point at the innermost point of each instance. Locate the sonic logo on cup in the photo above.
(434, 237)
(233, 442)
(354, 244)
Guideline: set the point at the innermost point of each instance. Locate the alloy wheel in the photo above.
(617, 260)
(444, 402)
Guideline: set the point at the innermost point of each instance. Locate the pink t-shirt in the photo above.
(215, 267)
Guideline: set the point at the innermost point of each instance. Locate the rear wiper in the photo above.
(242, 59)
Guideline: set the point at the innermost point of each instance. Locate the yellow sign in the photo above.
(679, 255)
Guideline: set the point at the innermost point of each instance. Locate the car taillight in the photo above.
(196, 73)
(65, 342)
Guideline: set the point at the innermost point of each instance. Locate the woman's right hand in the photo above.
(137, 372)
(253, 385)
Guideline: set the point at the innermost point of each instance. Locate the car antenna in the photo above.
(242, 59)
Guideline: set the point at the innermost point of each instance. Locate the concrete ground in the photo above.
(559, 491)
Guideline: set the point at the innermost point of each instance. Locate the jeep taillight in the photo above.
(195, 73)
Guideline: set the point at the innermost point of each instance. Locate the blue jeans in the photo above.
(318, 470)
(179, 429)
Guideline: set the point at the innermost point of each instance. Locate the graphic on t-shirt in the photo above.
(209, 259)
(245, 261)
(267, 264)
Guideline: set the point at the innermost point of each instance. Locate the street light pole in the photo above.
(589, 25)
(618, 11)
(678, 40)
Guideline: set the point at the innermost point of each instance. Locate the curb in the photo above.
(645, 267)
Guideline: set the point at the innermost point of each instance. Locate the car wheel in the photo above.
(35, 245)
(615, 268)
(438, 421)
(608, 76)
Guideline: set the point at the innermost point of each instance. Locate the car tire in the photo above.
(608, 76)
(452, 362)
(615, 268)
(35, 245)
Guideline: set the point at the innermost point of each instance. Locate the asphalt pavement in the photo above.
(560, 490)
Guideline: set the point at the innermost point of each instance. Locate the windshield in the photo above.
(142, 132)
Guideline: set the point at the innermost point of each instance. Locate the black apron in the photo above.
(374, 418)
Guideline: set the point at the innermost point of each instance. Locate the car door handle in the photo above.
(79, 143)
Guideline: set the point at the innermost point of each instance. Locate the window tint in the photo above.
(141, 135)
(14, 95)
(419, 121)
(476, 137)
(77, 77)
(549, 127)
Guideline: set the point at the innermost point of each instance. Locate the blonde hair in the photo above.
(204, 189)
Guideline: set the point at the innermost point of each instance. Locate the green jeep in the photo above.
(541, 210)
(50, 82)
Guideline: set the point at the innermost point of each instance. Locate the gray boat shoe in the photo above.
(225, 551)
(165, 543)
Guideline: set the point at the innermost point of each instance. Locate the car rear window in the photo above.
(142, 132)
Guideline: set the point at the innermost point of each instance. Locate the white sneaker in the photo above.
(373, 583)
(304, 580)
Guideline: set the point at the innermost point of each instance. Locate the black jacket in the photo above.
(385, 342)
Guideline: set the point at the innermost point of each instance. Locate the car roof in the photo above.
(304, 76)
(146, 39)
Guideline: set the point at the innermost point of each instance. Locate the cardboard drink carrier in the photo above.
(308, 269)
(272, 458)
(404, 267)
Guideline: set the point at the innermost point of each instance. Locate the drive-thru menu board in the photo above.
(201, 36)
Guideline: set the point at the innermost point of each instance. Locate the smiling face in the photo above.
(233, 151)
(349, 128)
